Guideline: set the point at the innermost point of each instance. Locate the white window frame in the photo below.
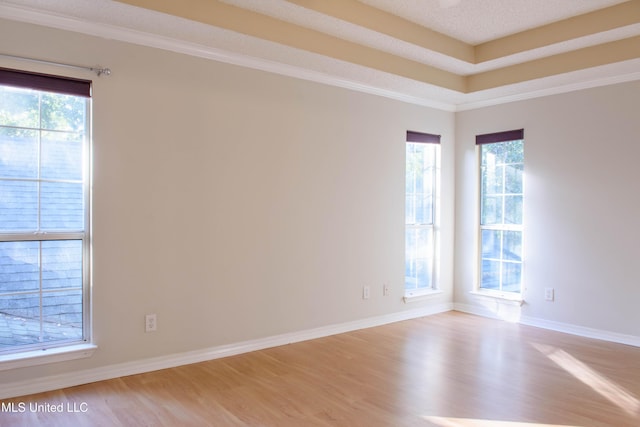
(433, 142)
(481, 140)
(59, 350)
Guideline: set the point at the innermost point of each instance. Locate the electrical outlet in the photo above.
(386, 290)
(150, 323)
(548, 294)
(366, 292)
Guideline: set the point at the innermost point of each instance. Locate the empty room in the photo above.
(319, 212)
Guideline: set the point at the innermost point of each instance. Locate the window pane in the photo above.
(511, 276)
(420, 187)
(501, 175)
(419, 209)
(42, 188)
(62, 207)
(491, 244)
(491, 210)
(418, 258)
(63, 112)
(19, 267)
(513, 151)
(512, 246)
(18, 206)
(513, 178)
(61, 264)
(410, 267)
(62, 315)
(490, 275)
(419, 183)
(20, 320)
(423, 208)
(492, 154)
(513, 210)
(411, 182)
(492, 180)
(61, 156)
(18, 153)
(413, 168)
(19, 107)
(410, 209)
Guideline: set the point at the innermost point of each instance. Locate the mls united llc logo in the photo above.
(22, 407)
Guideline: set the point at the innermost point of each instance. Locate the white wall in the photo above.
(233, 203)
(581, 211)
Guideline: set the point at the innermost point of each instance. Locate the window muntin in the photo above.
(421, 183)
(43, 215)
(501, 215)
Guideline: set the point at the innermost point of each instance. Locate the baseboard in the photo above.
(39, 385)
(567, 328)
(23, 388)
(582, 331)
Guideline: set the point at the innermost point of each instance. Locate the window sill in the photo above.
(50, 355)
(506, 297)
(420, 295)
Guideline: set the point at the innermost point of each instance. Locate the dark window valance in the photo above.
(413, 136)
(45, 82)
(491, 138)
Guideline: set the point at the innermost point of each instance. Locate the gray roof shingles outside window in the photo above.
(21, 302)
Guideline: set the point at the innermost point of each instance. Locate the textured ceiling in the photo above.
(450, 54)
(479, 21)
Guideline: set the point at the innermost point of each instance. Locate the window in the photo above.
(501, 211)
(44, 211)
(421, 184)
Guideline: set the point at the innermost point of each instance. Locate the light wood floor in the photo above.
(448, 370)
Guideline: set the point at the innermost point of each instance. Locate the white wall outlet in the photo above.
(150, 323)
(366, 292)
(548, 294)
(386, 290)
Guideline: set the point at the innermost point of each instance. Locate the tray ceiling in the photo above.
(449, 54)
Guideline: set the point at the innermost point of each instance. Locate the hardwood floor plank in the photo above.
(447, 370)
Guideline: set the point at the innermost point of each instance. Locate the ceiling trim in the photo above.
(599, 21)
(248, 22)
(456, 101)
(555, 90)
(366, 16)
(206, 52)
(218, 14)
(593, 56)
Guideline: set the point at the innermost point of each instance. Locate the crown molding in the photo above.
(490, 97)
(141, 38)
(555, 90)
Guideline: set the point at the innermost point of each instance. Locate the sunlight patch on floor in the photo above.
(468, 422)
(599, 383)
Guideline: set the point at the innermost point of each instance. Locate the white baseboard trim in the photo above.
(55, 382)
(582, 331)
(566, 328)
